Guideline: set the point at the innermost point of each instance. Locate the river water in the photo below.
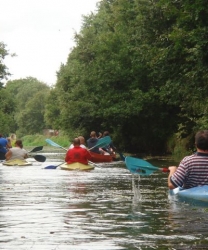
(107, 208)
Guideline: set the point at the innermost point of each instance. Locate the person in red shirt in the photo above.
(77, 154)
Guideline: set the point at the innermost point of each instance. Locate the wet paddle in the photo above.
(40, 158)
(102, 142)
(141, 167)
(53, 166)
(121, 155)
(52, 143)
(92, 163)
(36, 149)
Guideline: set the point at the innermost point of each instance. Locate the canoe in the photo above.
(17, 162)
(199, 193)
(101, 158)
(76, 166)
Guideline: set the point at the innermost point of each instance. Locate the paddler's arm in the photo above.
(172, 171)
(8, 155)
(9, 143)
(26, 156)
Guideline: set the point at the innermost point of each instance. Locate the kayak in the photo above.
(76, 166)
(199, 193)
(17, 162)
(101, 158)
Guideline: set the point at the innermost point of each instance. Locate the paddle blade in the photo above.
(102, 142)
(139, 166)
(51, 167)
(36, 149)
(40, 158)
(52, 143)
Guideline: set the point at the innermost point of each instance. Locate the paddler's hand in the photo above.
(172, 170)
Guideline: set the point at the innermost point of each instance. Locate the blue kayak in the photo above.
(199, 193)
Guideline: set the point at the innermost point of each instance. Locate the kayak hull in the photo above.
(199, 193)
(101, 158)
(17, 162)
(76, 166)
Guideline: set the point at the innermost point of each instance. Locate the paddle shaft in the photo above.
(142, 169)
(104, 141)
(92, 163)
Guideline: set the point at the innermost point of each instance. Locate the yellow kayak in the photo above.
(17, 162)
(76, 166)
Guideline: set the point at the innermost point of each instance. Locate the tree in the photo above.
(7, 123)
(30, 97)
(139, 69)
(3, 68)
(7, 104)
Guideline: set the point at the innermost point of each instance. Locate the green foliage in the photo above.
(30, 97)
(139, 69)
(108, 81)
(7, 103)
(7, 123)
(3, 68)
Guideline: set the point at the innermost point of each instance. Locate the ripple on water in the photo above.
(102, 209)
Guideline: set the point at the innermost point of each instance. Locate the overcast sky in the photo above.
(41, 33)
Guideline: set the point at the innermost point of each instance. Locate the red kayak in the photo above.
(101, 158)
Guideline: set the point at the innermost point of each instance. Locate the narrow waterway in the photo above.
(105, 209)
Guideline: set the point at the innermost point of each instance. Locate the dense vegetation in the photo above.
(139, 69)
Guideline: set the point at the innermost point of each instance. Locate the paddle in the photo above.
(141, 167)
(39, 148)
(52, 143)
(40, 158)
(52, 166)
(102, 142)
(92, 163)
(121, 155)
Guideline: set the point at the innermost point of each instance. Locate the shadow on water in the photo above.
(106, 208)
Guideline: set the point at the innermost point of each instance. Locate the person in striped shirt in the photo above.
(192, 170)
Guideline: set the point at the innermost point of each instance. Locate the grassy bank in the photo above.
(39, 140)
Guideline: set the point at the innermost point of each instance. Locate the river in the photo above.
(107, 208)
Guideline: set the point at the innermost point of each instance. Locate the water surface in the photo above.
(105, 209)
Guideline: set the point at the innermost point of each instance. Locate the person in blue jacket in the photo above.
(5, 144)
(92, 141)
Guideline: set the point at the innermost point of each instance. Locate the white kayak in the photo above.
(199, 193)
(76, 166)
(17, 162)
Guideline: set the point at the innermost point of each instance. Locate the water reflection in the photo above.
(106, 208)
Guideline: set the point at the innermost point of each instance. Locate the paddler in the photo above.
(77, 154)
(192, 170)
(16, 152)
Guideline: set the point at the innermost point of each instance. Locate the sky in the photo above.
(40, 33)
